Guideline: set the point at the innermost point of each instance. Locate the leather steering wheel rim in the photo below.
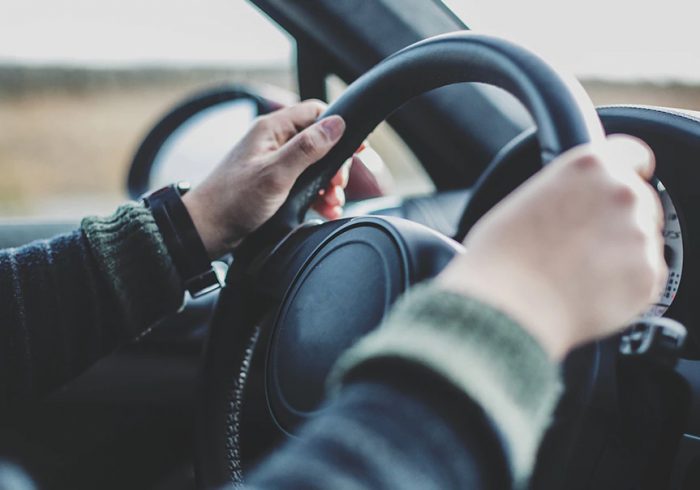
(565, 118)
(563, 113)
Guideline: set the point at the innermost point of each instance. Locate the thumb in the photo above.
(312, 143)
(633, 152)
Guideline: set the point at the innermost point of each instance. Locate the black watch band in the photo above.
(182, 240)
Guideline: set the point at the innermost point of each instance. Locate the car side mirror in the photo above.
(194, 136)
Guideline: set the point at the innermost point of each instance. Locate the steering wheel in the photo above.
(298, 294)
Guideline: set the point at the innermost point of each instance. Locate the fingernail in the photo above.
(333, 126)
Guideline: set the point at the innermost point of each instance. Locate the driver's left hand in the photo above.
(253, 181)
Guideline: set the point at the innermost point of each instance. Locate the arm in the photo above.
(60, 303)
(457, 387)
(67, 302)
(401, 420)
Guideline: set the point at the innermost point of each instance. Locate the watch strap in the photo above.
(182, 239)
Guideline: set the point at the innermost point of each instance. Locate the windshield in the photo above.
(611, 40)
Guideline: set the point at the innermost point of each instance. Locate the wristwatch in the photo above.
(182, 240)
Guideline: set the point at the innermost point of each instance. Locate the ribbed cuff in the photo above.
(130, 252)
(482, 352)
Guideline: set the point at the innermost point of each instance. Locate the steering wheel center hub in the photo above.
(324, 313)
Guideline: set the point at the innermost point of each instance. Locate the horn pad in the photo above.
(341, 292)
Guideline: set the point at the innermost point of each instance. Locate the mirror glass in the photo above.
(200, 143)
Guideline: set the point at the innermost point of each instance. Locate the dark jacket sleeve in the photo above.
(449, 393)
(68, 301)
(404, 430)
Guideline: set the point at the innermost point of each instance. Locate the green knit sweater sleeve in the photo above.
(478, 349)
(135, 263)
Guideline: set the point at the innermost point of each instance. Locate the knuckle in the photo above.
(624, 194)
(589, 162)
(640, 236)
(261, 122)
(317, 104)
(636, 241)
(308, 144)
(272, 179)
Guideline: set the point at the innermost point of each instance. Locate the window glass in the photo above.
(623, 51)
(81, 82)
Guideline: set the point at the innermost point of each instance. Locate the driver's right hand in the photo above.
(574, 253)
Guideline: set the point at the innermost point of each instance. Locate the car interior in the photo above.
(214, 388)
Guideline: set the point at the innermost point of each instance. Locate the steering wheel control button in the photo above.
(673, 252)
(659, 340)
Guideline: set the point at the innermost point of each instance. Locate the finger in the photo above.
(660, 267)
(648, 212)
(341, 178)
(650, 217)
(662, 276)
(288, 121)
(334, 196)
(633, 152)
(653, 213)
(328, 211)
(311, 144)
(274, 105)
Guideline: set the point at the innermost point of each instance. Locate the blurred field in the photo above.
(67, 136)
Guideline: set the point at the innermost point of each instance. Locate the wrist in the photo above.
(212, 233)
(182, 239)
(521, 294)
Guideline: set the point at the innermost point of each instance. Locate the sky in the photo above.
(618, 39)
(123, 32)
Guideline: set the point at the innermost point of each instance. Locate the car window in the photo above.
(73, 110)
(623, 51)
